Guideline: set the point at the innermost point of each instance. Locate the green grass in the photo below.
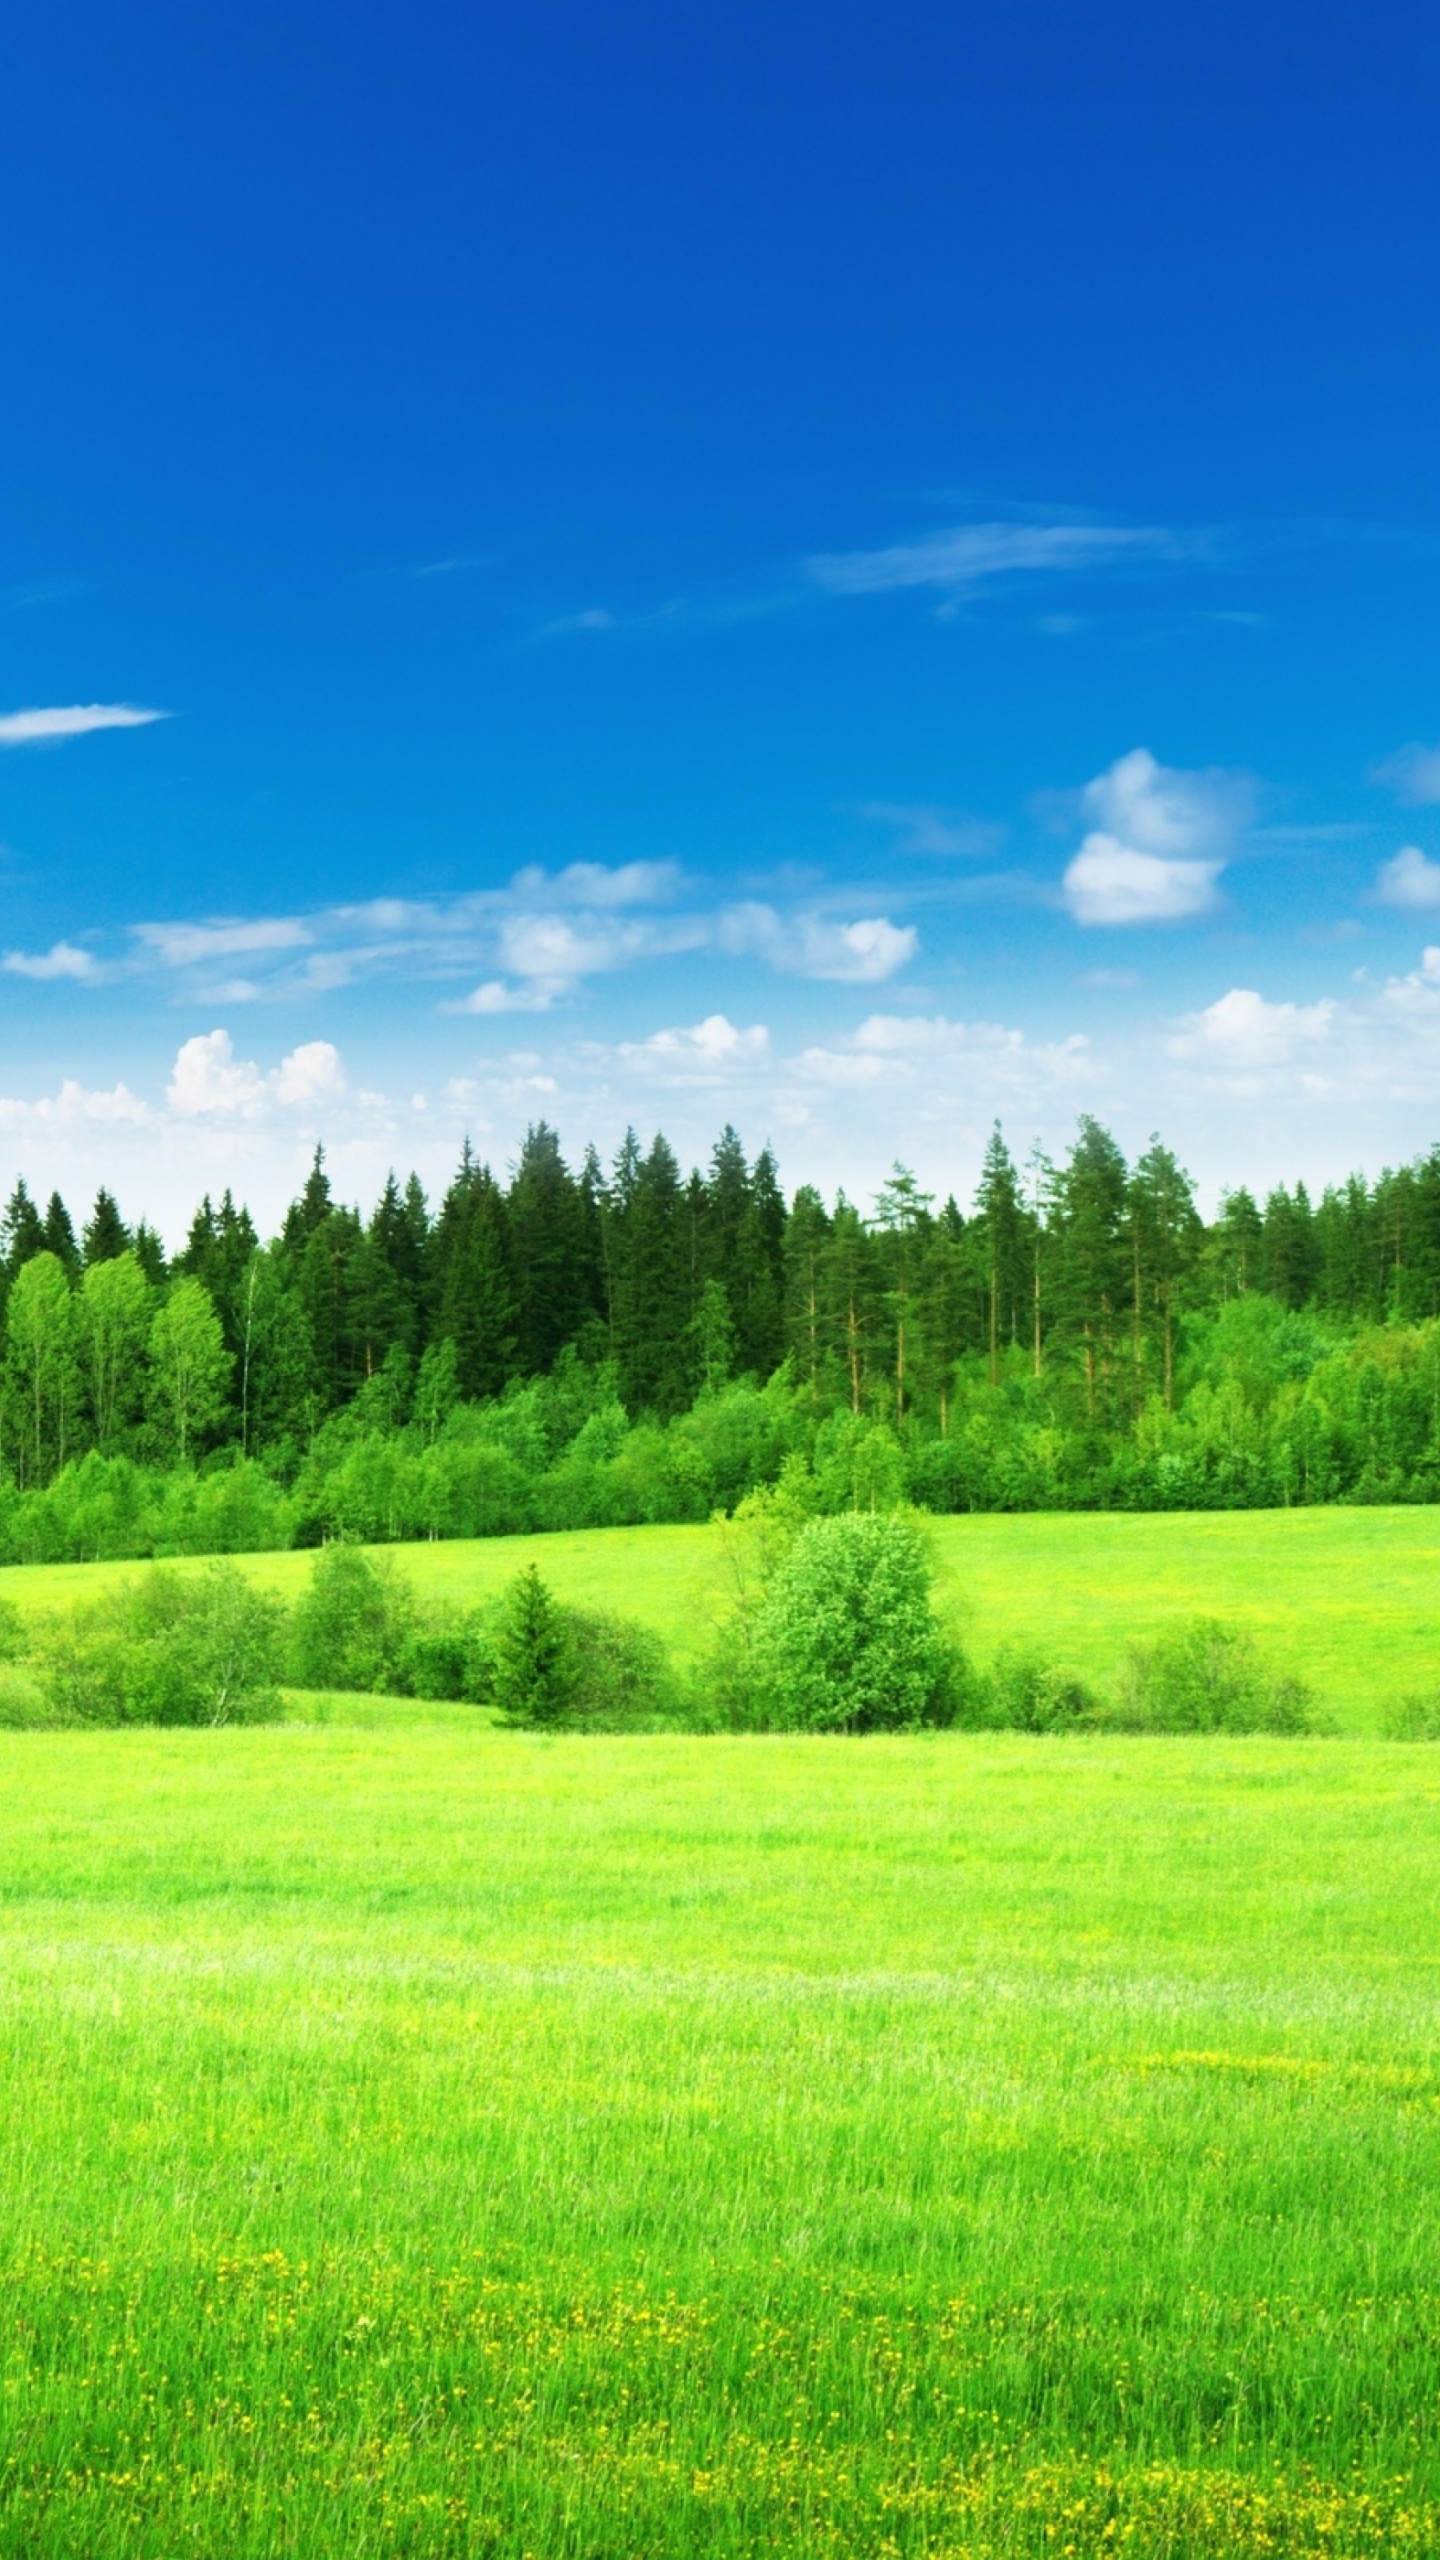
(1347, 1599)
(419, 2138)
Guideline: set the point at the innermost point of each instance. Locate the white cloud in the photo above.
(925, 829)
(596, 884)
(1413, 774)
(76, 1102)
(184, 946)
(62, 960)
(311, 1073)
(966, 556)
(207, 1078)
(1409, 879)
(72, 720)
(1242, 1030)
(1109, 883)
(815, 946)
(716, 1044)
(1161, 840)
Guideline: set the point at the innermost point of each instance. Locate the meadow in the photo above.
(1348, 1599)
(422, 2138)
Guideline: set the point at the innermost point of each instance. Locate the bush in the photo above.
(1024, 1693)
(171, 1648)
(624, 1680)
(1416, 1718)
(1205, 1677)
(353, 1627)
(846, 1639)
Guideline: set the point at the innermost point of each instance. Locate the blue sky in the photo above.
(847, 570)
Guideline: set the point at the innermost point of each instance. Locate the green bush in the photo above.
(1205, 1677)
(846, 1640)
(1415, 1718)
(170, 1648)
(354, 1626)
(1024, 1693)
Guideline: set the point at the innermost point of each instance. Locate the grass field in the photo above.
(424, 2139)
(1347, 1599)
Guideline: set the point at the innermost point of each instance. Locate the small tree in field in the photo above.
(534, 1668)
(847, 1639)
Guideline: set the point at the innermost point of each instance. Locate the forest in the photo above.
(564, 1349)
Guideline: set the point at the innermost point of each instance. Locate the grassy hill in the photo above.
(1348, 1599)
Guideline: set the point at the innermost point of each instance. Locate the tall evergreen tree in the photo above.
(106, 1235)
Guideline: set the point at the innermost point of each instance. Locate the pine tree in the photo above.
(997, 1233)
(23, 1230)
(60, 1236)
(901, 1221)
(534, 1667)
(1093, 1261)
(807, 1234)
(106, 1235)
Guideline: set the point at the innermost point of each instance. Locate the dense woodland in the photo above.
(567, 1348)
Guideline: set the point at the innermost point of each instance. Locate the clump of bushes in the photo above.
(554, 1666)
(1206, 1677)
(1022, 1692)
(1415, 1718)
(168, 1648)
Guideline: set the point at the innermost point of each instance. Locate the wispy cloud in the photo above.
(1413, 774)
(185, 946)
(48, 728)
(62, 960)
(1162, 841)
(923, 827)
(963, 557)
(817, 946)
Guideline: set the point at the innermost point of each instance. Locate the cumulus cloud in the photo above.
(47, 728)
(962, 557)
(208, 1079)
(1160, 842)
(1242, 1030)
(716, 1044)
(77, 1102)
(62, 960)
(1413, 774)
(815, 946)
(1409, 879)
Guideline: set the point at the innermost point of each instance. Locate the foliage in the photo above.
(167, 1648)
(1029, 1694)
(535, 1673)
(1206, 1677)
(353, 1627)
(846, 1638)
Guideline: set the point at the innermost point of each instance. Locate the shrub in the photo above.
(624, 1679)
(1026, 1694)
(353, 1627)
(846, 1639)
(1416, 1718)
(1205, 1677)
(170, 1648)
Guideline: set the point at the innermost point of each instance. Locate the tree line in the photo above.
(1080, 1293)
